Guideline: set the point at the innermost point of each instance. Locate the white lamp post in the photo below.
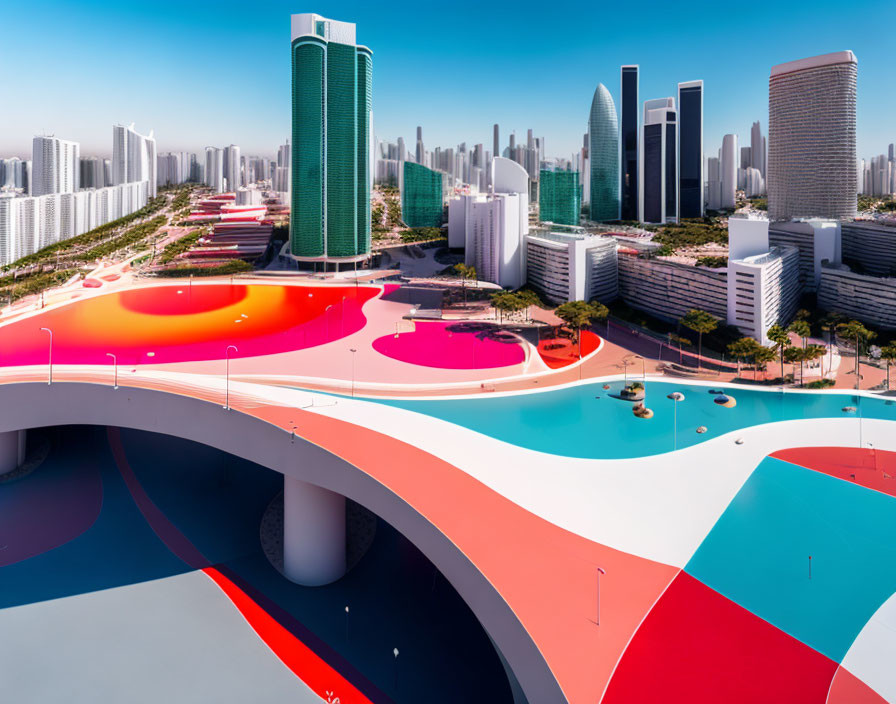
(600, 571)
(50, 360)
(676, 397)
(353, 350)
(227, 375)
(114, 369)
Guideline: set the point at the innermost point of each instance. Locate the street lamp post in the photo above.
(600, 571)
(676, 397)
(227, 375)
(50, 359)
(353, 350)
(327, 320)
(114, 369)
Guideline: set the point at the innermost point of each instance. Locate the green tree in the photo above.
(801, 329)
(762, 356)
(859, 335)
(780, 341)
(700, 322)
(508, 302)
(578, 315)
(466, 272)
(743, 349)
(888, 353)
(792, 355)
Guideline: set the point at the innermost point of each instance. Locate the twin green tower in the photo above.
(331, 170)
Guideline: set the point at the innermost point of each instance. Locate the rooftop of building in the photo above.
(837, 57)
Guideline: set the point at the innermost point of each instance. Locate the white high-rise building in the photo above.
(812, 138)
(133, 157)
(713, 184)
(214, 169)
(232, 171)
(757, 148)
(56, 166)
(729, 171)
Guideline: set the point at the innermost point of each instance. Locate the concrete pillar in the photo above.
(12, 450)
(313, 533)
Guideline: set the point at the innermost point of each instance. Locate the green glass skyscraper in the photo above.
(330, 181)
(421, 196)
(559, 197)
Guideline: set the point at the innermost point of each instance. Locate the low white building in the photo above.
(763, 281)
(570, 267)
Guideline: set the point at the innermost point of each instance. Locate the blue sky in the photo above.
(203, 73)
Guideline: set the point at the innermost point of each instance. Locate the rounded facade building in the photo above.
(603, 153)
(812, 138)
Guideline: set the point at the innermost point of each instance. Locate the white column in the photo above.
(313, 533)
(12, 450)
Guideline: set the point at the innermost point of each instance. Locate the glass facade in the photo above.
(421, 196)
(690, 151)
(331, 102)
(629, 136)
(603, 154)
(653, 173)
(560, 197)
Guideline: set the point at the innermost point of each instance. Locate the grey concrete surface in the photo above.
(177, 640)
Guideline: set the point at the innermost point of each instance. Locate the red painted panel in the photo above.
(298, 657)
(873, 469)
(696, 646)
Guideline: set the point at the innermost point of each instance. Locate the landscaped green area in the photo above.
(692, 233)
(421, 234)
(184, 244)
(15, 288)
(95, 235)
(126, 239)
(712, 262)
(236, 266)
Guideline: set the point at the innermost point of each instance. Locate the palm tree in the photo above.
(466, 272)
(780, 342)
(741, 349)
(888, 353)
(792, 355)
(700, 322)
(579, 314)
(829, 324)
(858, 333)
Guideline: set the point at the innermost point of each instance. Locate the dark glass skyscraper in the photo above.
(628, 138)
(690, 149)
(331, 101)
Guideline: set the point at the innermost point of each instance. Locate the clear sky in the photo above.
(213, 73)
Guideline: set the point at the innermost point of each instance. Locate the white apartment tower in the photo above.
(56, 165)
(133, 157)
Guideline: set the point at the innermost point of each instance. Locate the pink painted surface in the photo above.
(453, 345)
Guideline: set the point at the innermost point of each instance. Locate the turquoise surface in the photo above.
(757, 554)
(592, 422)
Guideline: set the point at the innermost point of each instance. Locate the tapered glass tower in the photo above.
(331, 101)
(603, 154)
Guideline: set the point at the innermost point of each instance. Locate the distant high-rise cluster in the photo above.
(71, 195)
(877, 176)
(812, 138)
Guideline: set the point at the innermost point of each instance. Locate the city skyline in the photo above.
(736, 88)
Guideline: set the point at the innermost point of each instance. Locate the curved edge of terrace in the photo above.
(261, 435)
